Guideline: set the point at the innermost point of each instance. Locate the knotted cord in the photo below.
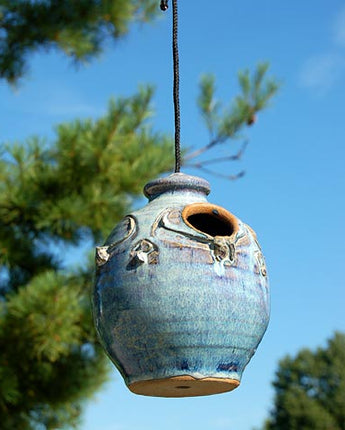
(176, 91)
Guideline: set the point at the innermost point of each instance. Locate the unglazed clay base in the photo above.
(183, 386)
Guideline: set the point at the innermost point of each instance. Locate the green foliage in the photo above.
(57, 194)
(208, 106)
(225, 123)
(78, 28)
(310, 389)
(51, 195)
(50, 360)
(45, 314)
(66, 190)
(54, 194)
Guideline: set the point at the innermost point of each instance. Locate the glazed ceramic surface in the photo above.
(181, 292)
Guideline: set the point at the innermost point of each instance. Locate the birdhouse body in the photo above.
(181, 296)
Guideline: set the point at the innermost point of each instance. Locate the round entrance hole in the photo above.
(210, 219)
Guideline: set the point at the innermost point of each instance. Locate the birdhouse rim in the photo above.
(175, 182)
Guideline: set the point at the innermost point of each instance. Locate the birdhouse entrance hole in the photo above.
(210, 219)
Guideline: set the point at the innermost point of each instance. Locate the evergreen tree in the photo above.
(50, 196)
(78, 28)
(57, 195)
(65, 192)
(310, 389)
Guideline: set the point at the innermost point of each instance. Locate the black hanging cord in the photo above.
(164, 6)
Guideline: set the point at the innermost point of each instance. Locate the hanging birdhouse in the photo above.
(181, 297)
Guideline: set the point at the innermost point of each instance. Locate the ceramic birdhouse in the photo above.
(181, 298)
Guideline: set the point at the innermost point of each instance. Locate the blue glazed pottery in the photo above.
(181, 298)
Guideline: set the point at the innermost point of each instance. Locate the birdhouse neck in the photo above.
(177, 182)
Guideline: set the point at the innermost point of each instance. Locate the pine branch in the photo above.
(80, 29)
(231, 177)
(79, 185)
(234, 157)
(225, 123)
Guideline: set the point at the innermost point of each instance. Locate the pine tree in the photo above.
(60, 194)
(63, 193)
(78, 28)
(53, 195)
(310, 389)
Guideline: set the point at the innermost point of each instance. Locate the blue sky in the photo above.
(293, 191)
